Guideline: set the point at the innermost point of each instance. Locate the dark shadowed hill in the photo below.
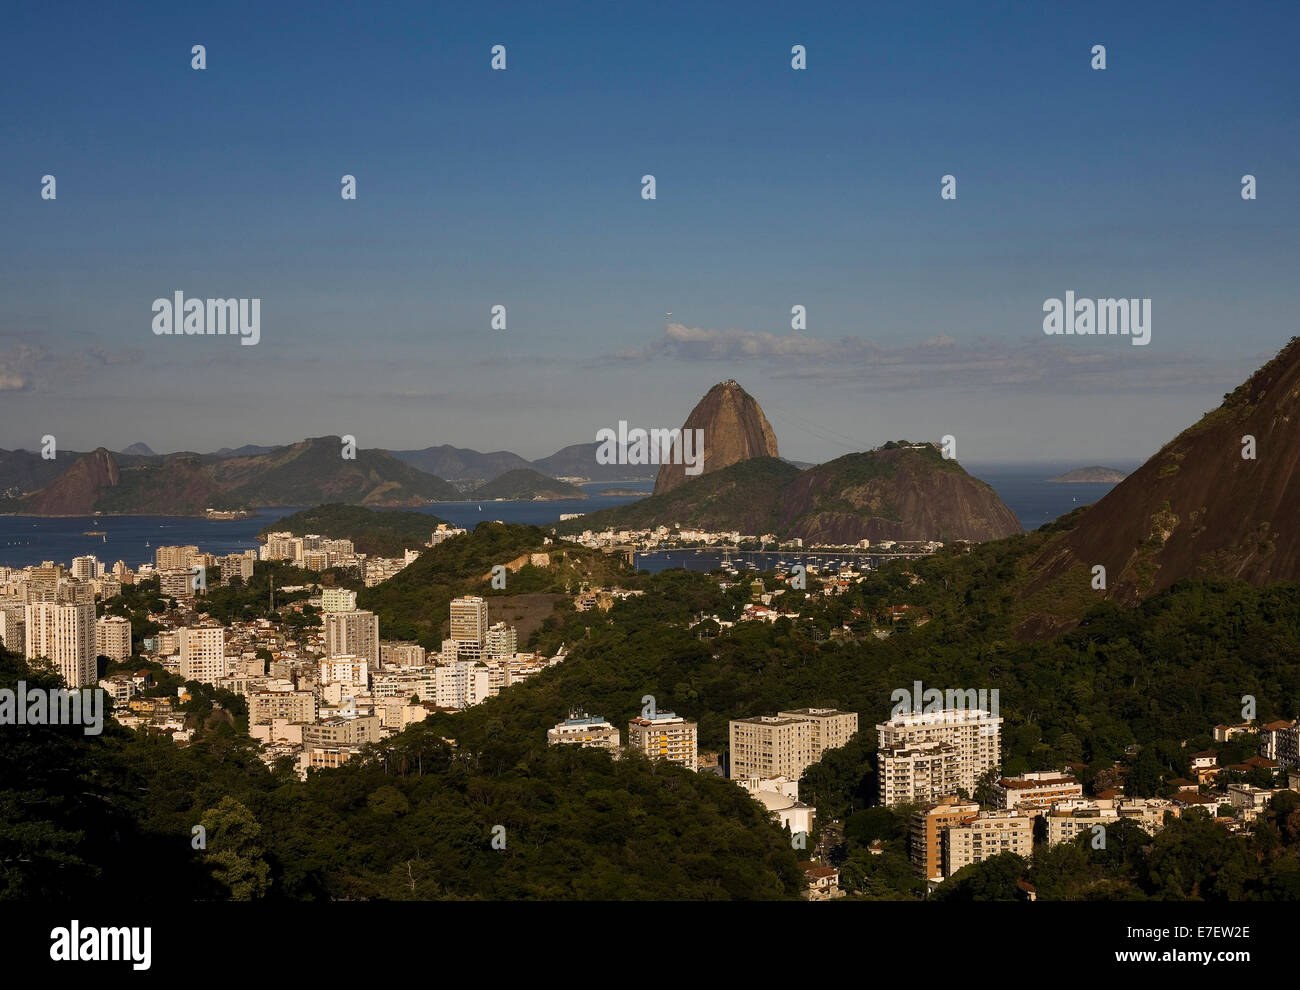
(460, 463)
(313, 471)
(578, 460)
(1198, 508)
(899, 492)
(305, 473)
(744, 497)
(25, 471)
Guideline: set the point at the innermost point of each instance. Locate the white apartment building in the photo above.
(469, 619)
(1067, 818)
(831, 728)
(107, 586)
(460, 649)
(1280, 741)
(501, 642)
(340, 731)
(175, 558)
(377, 570)
(785, 745)
(393, 654)
(63, 634)
(113, 637)
(989, 835)
(974, 735)
(919, 774)
(265, 707)
(282, 546)
(352, 634)
(665, 736)
(86, 568)
(462, 684)
(407, 682)
(770, 746)
(397, 713)
(315, 560)
(338, 600)
(176, 584)
(13, 626)
(1249, 800)
(587, 731)
(445, 532)
(324, 759)
(120, 688)
(352, 671)
(203, 653)
(236, 565)
(1037, 790)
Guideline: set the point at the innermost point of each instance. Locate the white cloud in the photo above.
(1109, 364)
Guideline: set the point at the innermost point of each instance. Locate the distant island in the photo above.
(1095, 475)
(525, 484)
(384, 533)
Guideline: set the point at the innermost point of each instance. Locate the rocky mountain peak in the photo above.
(735, 430)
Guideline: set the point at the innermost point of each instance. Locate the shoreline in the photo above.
(134, 515)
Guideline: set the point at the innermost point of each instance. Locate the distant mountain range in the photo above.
(305, 473)
(138, 481)
(901, 492)
(575, 461)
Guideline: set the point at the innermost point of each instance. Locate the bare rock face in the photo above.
(75, 492)
(735, 430)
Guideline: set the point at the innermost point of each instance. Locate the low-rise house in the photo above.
(823, 881)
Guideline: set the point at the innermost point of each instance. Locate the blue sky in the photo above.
(775, 187)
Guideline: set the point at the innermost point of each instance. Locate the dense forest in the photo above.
(79, 814)
(413, 605)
